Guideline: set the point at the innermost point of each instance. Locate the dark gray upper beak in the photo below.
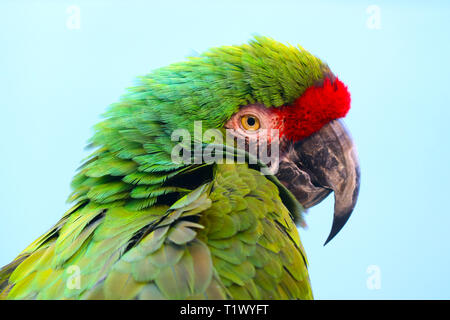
(324, 162)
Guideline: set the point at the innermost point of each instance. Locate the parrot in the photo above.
(143, 226)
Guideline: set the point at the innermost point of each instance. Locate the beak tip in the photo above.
(338, 223)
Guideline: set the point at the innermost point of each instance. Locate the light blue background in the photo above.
(55, 82)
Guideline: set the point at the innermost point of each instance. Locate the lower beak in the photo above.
(324, 162)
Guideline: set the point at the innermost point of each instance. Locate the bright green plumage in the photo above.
(144, 227)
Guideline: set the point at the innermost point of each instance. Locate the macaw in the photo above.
(144, 226)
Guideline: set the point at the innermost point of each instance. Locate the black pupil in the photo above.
(251, 121)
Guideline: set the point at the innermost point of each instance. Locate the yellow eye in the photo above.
(250, 122)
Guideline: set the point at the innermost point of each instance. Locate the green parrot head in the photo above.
(262, 85)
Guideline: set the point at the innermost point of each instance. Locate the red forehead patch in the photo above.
(315, 108)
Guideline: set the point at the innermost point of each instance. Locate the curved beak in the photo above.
(324, 162)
